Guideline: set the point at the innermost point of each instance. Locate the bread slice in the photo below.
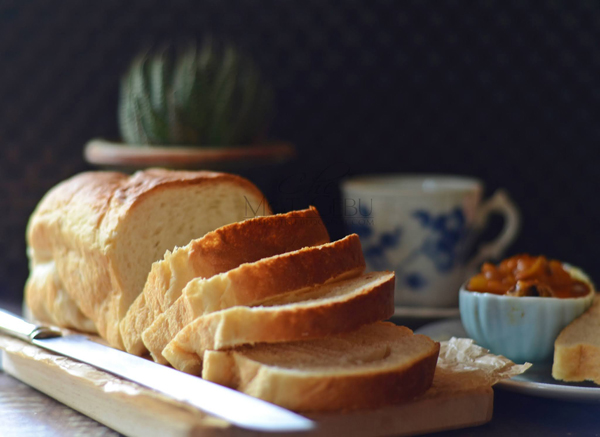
(577, 348)
(218, 251)
(376, 365)
(254, 283)
(103, 231)
(330, 309)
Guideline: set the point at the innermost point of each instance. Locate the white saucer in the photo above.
(421, 313)
(537, 381)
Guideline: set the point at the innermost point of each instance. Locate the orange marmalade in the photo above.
(526, 275)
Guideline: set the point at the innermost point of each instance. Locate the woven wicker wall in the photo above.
(505, 90)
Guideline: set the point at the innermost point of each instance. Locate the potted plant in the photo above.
(205, 109)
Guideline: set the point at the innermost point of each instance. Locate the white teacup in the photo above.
(422, 227)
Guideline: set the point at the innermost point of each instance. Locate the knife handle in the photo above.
(17, 327)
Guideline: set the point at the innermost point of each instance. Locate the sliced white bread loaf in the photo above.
(330, 309)
(253, 283)
(577, 348)
(103, 231)
(218, 251)
(376, 365)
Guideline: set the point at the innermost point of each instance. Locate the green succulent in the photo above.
(206, 97)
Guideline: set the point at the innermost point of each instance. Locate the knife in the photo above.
(237, 408)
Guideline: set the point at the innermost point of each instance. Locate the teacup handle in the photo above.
(499, 203)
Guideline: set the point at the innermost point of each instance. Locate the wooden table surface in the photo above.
(25, 412)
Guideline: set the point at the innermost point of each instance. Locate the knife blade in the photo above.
(237, 408)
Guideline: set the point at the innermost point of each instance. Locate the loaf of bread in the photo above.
(218, 251)
(341, 306)
(254, 283)
(376, 365)
(577, 348)
(96, 235)
(193, 268)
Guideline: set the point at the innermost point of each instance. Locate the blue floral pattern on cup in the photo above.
(442, 246)
(447, 231)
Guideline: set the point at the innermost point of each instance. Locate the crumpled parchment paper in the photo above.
(474, 365)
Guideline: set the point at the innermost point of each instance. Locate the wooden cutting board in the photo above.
(136, 411)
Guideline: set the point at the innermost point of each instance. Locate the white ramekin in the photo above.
(520, 328)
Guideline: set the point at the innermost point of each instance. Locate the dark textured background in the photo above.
(507, 91)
